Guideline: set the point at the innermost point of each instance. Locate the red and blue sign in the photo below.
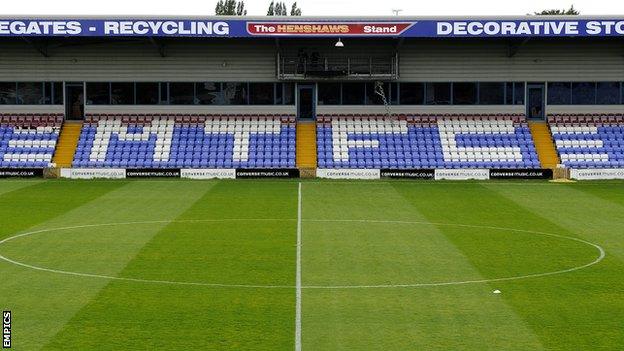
(214, 27)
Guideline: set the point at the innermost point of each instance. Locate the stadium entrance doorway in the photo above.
(74, 101)
(535, 101)
(306, 102)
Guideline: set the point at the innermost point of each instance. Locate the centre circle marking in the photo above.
(599, 258)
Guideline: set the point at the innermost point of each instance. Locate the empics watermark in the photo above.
(6, 329)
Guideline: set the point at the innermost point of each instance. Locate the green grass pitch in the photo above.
(385, 265)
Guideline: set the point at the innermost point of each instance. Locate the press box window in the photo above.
(353, 93)
(98, 94)
(438, 93)
(235, 93)
(583, 93)
(464, 93)
(608, 93)
(122, 93)
(412, 94)
(8, 94)
(559, 93)
(329, 94)
(181, 93)
(147, 93)
(261, 93)
(30, 93)
(375, 94)
(208, 93)
(492, 93)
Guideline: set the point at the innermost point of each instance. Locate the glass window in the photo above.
(518, 93)
(353, 93)
(207, 93)
(622, 93)
(329, 94)
(608, 93)
(122, 93)
(559, 93)
(146, 93)
(58, 93)
(30, 93)
(164, 93)
(412, 94)
(509, 93)
(438, 93)
(8, 94)
(98, 93)
(584, 93)
(47, 93)
(235, 93)
(394, 93)
(181, 93)
(289, 93)
(261, 93)
(492, 93)
(375, 95)
(279, 94)
(464, 93)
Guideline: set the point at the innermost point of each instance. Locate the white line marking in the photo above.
(600, 257)
(170, 282)
(298, 283)
(299, 220)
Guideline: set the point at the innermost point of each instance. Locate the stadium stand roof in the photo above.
(289, 27)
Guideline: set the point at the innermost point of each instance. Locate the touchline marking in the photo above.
(298, 287)
(298, 280)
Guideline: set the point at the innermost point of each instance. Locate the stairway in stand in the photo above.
(544, 144)
(66, 146)
(306, 148)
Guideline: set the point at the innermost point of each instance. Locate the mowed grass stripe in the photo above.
(567, 311)
(7, 185)
(39, 202)
(46, 301)
(609, 191)
(340, 253)
(154, 316)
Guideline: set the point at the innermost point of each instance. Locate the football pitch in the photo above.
(312, 265)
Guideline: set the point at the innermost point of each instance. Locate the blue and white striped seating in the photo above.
(28, 141)
(589, 141)
(197, 141)
(413, 142)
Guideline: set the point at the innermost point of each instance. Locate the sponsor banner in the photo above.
(239, 28)
(462, 174)
(348, 173)
(597, 174)
(152, 173)
(93, 173)
(521, 174)
(268, 173)
(327, 28)
(408, 173)
(208, 173)
(21, 172)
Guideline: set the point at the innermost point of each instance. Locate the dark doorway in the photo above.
(74, 101)
(306, 102)
(536, 101)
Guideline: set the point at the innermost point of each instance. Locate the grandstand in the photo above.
(418, 94)
(492, 238)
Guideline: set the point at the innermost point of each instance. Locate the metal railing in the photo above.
(337, 67)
